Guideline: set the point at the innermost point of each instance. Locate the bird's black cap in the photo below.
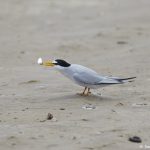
(62, 63)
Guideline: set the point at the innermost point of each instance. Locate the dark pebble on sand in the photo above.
(121, 42)
(84, 119)
(62, 108)
(49, 116)
(135, 139)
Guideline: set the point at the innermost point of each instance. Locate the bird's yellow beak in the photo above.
(45, 63)
(48, 63)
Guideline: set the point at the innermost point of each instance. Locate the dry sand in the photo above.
(110, 36)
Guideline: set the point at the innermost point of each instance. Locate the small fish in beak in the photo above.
(40, 61)
(45, 63)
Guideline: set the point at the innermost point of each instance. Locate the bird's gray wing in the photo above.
(87, 78)
(107, 80)
(94, 79)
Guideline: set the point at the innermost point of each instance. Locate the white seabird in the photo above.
(83, 76)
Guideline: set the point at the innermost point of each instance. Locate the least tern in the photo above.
(83, 76)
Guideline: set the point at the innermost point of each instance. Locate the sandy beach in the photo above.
(110, 36)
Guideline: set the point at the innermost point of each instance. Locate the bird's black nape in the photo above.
(62, 63)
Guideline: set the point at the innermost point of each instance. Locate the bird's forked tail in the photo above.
(126, 79)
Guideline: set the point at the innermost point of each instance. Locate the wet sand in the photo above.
(111, 37)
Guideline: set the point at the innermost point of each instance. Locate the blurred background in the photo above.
(109, 36)
(72, 28)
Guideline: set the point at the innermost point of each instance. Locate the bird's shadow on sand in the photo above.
(91, 97)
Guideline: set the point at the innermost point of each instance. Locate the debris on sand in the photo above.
(43, 120)
(84, 119)
(62, 109)
(30, 82)
(74, 137)
(122, 42)
(49, 116)
(88, 107)
(113, 110)
(139, 104)
(119, 104)
(135, 139)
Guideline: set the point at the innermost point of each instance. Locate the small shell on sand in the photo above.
(135, 139)
(40, 61)
(88, 107)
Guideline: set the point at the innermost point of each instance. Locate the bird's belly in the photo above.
(96, 86)
(91, 86)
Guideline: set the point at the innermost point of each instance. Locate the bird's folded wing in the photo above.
(107, 80)
(94, 79)
(87, 78)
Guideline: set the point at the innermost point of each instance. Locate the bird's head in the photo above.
(54, 63)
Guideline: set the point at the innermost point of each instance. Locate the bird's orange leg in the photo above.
(83, 93)
(88, 92)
